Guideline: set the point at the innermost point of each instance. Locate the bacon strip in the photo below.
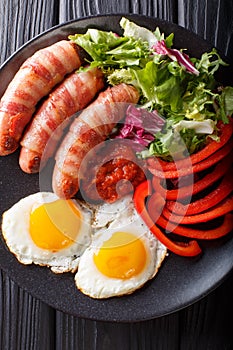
(92, 127)
(34, 80)
(69, 97)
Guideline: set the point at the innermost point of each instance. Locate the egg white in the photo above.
(95, 284)
(15, 230)
(117, 213)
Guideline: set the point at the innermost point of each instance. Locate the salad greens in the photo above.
(182, 90)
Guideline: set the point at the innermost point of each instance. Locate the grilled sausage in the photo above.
(34, 80)
(72, 95)
(92, 127)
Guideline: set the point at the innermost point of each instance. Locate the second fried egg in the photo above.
(120, 259)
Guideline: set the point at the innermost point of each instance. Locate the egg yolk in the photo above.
(122, 256)
(54, 226)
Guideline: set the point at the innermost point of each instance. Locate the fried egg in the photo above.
(120, 259)
(48, 231)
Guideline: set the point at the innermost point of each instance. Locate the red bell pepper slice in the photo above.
(198, 186)
(210, 200)
(141, 193)
(218, 232)
(184, 171)
(222, 208)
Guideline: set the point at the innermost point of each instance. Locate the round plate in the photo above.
(180, 281)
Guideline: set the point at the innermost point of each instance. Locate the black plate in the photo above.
(180, 281)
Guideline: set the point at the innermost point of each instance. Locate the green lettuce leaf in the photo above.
(106, 49)
(225, 101)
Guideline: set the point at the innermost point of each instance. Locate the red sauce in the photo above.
(112, 172)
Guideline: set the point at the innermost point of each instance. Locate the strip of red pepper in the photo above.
(220, 231)
(141, 193)
(210, 200)
(185, 191)
(222, 208)
(202, 165)
(226, 131)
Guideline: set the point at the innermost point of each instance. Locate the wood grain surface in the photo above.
(27, 323)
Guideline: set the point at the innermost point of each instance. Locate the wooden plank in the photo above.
(166, 9)
(91, 335)
(25, 322)
(212, 20)
(22, 20)
(205, 325)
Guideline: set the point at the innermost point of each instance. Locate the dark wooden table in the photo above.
(28, 323)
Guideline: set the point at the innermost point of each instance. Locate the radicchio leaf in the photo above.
(175, 55)
(140, 126)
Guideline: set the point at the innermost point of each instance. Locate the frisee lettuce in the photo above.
(169, 81)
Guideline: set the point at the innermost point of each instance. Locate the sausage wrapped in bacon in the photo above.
(34, 80)
(92, 127)
(70, 96)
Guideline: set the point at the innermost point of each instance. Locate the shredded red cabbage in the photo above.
(161, 48)
(140, 126)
